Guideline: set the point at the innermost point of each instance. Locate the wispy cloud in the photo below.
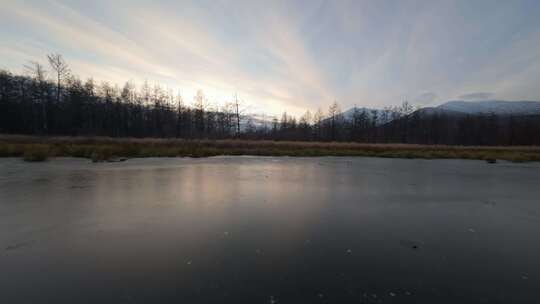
(290, 56)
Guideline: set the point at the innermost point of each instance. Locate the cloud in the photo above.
(477, 96)
(185, 52)
(285, 55)
(425, 98)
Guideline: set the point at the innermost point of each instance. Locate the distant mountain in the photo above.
(382, 117)
(257, 121)
(455, 109)
(498, 107)
(428, 111)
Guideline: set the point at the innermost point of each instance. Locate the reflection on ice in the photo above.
(263, 229)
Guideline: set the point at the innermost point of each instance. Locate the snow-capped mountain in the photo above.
(381, 115)
(256, 121)
(498, 107)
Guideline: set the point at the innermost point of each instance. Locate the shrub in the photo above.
(36, 154)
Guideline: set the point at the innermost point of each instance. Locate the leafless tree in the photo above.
(39, 74)
(237, 112)
(60, 67)
(318, 118)
(333, 114)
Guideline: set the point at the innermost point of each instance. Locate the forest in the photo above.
(53, 101)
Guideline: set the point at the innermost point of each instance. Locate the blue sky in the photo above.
(289, 55)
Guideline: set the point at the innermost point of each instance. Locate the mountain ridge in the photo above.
(497, 107)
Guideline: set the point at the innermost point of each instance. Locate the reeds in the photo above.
(33, 148)
(36, 153)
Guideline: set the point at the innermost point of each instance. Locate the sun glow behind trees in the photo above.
(55, 101)
(65, 105)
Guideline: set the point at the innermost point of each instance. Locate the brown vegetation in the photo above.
(104, 148)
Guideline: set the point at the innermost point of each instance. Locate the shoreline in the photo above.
(39, 148)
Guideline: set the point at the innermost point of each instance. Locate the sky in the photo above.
(289, 55)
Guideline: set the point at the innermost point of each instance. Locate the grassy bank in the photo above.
(33, 148)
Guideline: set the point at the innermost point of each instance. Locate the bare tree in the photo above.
(60, 67)
(305, 125)
(317, 123)
(36, 71)
(275, 127)
(333, 114)
(39, 74)
(200, 103)
(237, 110)
(306, 118)
(265, 128)
(128, 93)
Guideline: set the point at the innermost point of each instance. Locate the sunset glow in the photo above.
(289, 55)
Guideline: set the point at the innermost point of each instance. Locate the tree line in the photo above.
(65, 105)
(451, 128)
(52, 101)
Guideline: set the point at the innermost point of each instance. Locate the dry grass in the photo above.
(36, 153)
(104, 148)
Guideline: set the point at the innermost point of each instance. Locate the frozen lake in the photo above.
(269, 230)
